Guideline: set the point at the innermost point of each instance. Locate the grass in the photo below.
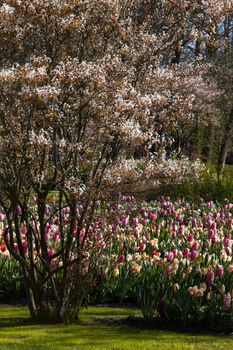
(18, 333)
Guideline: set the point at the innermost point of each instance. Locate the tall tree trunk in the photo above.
(210, 144)
(225, 142)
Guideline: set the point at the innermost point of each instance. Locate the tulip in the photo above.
(182, 229)
(186, 252)
(24, 230)
(220, 271)
(3, 248)
(116, 272)
(135, 222)
(227, 301)
(223, 288)
(142, 247)
(190, 238)
(175, 252)
(153, 216)
(170, 256)
(194, 222)
(121, 259)
(195, 245)
(194, 255)
(136, 232)
(210, 276)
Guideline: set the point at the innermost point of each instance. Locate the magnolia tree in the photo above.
(87, 107)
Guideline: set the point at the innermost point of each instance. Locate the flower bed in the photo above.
(173, 258)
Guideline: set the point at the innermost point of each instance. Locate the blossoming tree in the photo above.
(85, 88)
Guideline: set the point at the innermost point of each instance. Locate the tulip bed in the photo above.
(173, 258)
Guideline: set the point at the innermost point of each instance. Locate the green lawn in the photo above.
(17, 333)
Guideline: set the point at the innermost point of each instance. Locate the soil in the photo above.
(10, 303)
(158, 324)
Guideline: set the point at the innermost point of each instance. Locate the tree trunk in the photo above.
(225, 143)
(210, 144)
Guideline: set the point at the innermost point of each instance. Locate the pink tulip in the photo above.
(194, 255)
(182, 228)
(24, 230)
(153, 216)
(214, 226)
(50, 251)
(211, 234)
(220, 271)
(135, 221)
(186, 252)
(168, 269)
(144, 222)
(125, 220)
(190, 238)
(19, 210)
(136, 233)
(210, 276)
(228, 251)
(227, 301)
(170, 256)
(194, 222)
(121, 259)
(142, 247)
(175, 252)
(227, 242)
(195, 245)
(171, 221)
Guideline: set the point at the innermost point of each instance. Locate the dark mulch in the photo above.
(10, 302)
(158, 324)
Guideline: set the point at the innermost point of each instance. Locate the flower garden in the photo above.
(116, 191)
(171, 259)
